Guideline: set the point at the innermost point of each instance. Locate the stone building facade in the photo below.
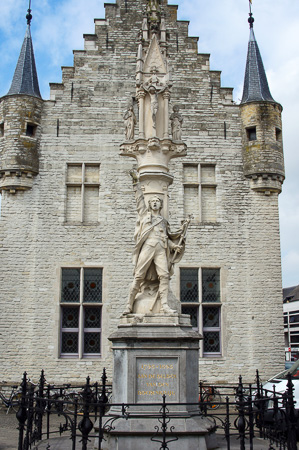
(68, 211)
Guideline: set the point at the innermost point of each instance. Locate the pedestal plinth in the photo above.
(157, 355)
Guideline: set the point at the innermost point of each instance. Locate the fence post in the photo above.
(30, 414)
(85, 426)
(74, 424)
(276, 430)
(250, 418)
(227, 423)
(96, 393)
(291, 415)
(258, 402)
(40, 405)
(49, 406)
(240, 420)
(103, 399)
(22, 414)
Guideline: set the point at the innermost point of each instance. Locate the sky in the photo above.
(58, 26)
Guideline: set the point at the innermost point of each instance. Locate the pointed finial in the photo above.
(29, 15)
(251, 19)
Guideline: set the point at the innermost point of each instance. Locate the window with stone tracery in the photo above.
(82, 193)
(199, 182)
(80, 312)
(201, 299)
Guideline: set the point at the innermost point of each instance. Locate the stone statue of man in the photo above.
(130, 122)
(176, 124)
(156, 249)
(154, 104)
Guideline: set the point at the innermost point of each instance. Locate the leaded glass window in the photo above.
(69, 343)
(210, 285)
(189, 285)
(210, 317)
(70, 317)
(92, 285)
(211, 342)
(211, 320)
(92, 343)
(201, 299)
(92, 317)
(70, 286)
(81, 312)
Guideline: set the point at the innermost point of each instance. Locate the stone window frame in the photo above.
(82, 184)
(278, 134)
(31, 129)
(1, 129)
(82, 306)
(251, 133)
(34, 125)
(200, 185)
(200, 305)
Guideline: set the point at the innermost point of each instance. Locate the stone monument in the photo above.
(155, 348)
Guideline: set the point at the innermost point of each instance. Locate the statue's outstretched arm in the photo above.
(140, 203)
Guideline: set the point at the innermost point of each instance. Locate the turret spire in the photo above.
(25, 80)
(256, 86)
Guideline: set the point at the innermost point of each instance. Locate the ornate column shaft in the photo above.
(166, 97)
(140, 97)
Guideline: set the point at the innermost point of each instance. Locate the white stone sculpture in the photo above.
(154, 104)
(130, 122)
(176, 124)
(156, 249)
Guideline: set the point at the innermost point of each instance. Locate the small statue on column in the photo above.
(176, 124)
(130, 122)
(154, 104)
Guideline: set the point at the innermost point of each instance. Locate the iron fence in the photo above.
(242, 411)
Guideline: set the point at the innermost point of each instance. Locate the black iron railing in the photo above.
(241, 412)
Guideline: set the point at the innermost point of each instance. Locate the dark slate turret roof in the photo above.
(25, 79)
(255, 84)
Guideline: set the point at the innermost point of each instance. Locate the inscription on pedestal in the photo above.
(156, 377)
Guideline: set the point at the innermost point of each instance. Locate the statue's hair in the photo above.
(155, 197)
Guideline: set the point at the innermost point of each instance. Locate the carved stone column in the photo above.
(166, 97)
(140, 97)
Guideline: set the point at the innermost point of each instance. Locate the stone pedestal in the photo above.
(156, 355)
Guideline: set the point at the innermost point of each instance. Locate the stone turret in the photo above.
(261, 125)
(20, 117)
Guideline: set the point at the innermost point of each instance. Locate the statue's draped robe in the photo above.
(145, 223)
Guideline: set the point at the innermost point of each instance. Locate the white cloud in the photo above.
(10, 13)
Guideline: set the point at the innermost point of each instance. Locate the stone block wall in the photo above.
(83, 123)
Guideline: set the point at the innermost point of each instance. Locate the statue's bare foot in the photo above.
(167, 310)
(128, 310)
